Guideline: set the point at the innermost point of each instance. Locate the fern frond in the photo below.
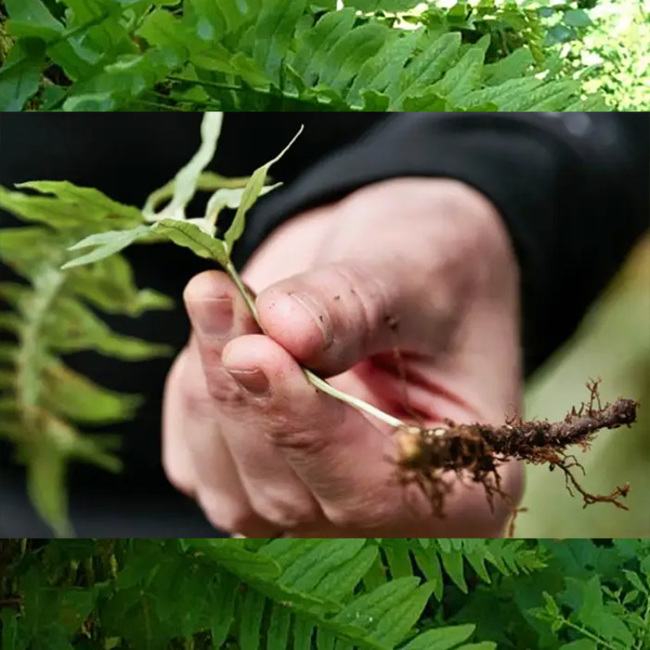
(49, 316)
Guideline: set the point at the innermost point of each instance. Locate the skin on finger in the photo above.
(272, 489)
(345, 460)
(195, 456)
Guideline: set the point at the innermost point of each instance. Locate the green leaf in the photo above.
(94, 204)
(443, 638)
(20, 75)
(398, 557)
(317, 43)
(464, 76)
(303, 632)
(366, 610)
(581, 644)
(250, 622)
(554, 96)
(232, 555)
(576, 18)
(428, 562)
(251, 193)
(222, 606)
(350, 53)
(513, 66)
(484, 645)
(109, 285)
(425, 69)
(31, 18)
(72, 327)
(187, 179)
(378, 72)
(274, 33)
(70, 394)
(229, 198)
(193, 237)
(279, 624)
(106, 244)
(46, 471)
(314, 564)
(453, 563)
(342, 580)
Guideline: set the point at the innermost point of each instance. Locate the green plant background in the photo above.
(325, 594)
(506, 55)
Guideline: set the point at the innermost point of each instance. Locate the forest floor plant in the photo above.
(425, 455)
(338, 594)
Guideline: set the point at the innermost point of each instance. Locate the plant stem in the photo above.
(313, 378)
(587, 633)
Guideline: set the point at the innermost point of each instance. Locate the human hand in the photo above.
(424, 265)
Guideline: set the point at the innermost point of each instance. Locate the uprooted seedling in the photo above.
(477, 450)
(426, 455)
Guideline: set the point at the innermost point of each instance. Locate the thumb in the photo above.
(333, 317)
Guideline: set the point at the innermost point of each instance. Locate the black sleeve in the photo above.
(572, 188)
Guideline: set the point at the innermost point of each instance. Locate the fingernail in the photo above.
(214, 317)
(318, 314)
(254, 381)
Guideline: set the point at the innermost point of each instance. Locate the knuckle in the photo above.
(286, 514)
(226, 515)
(362, 516)
(304, 440)
(222, 388)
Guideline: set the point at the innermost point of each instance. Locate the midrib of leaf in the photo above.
(47, 284)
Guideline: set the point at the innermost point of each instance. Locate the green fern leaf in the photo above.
(251, 615)
(72, 327)
(443, 638)
(307, 571)
(424, 69)
(105, 245)
(514, 66)
(341, 581)
(428, 562)
(222, 611)
(74, 396)
(279, 626)
(274, 33)
(378, 72)
(452, 561)
(465, 75)
(96, 205)
(350, 53)
(398, 556)
(303, 632)
(314, 48)
(395, 624)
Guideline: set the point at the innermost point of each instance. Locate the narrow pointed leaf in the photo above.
(193, 237)
(107, 244)
(252, 612)
(252, 192)
(443, 638)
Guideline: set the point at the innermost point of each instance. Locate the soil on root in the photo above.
(479, 449)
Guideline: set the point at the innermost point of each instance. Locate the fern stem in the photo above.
(312, 378)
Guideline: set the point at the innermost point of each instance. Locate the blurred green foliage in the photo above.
(613, 344)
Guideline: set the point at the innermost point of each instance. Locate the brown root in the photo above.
(479, 449)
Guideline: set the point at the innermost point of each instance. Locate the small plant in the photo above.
(424, 454)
